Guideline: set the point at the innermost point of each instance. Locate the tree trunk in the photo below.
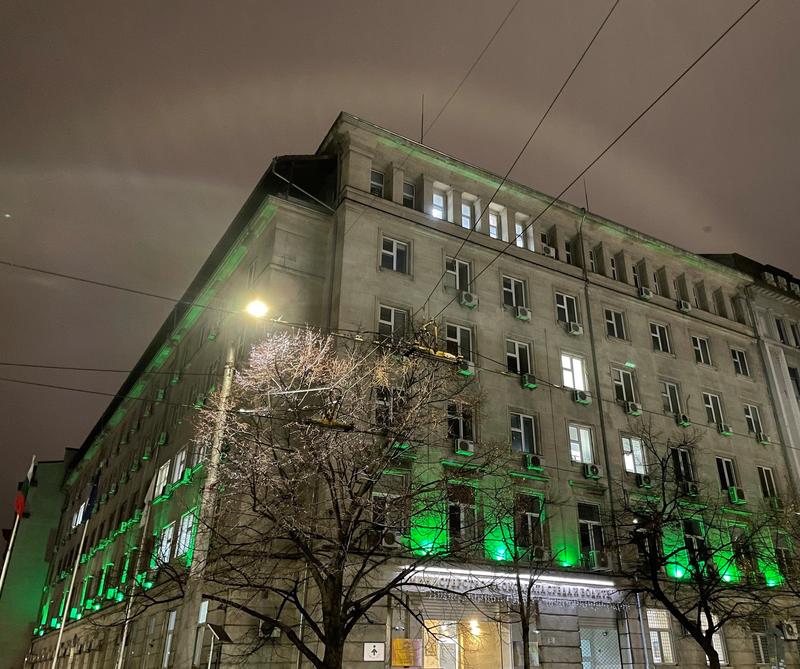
(526, 645)
(712, 656)
(334, 653)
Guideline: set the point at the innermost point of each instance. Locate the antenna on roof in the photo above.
(422, 120)
(585, 194)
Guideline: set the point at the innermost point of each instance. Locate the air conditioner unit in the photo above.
(644, 481)
(591, 471)
(548, 251)
(529, 382)
(790, 630)
(645, 293)
(574, 328)
(267, 630)
(466, 368)
(684, 306)
(776, 503)
(541, 553)
(683, 420)
(534, 461)
(468, 299)
(389, 539)
(582, 397)
(690, 488)
(599, 561)
(464, 447)
(736, 495)
(522, 313)
(633, 408)
(724, 429)
(762, 438)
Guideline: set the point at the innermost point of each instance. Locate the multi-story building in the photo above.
(374, 231)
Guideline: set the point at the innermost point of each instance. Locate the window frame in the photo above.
(766, 481)
(583, 384)
(455, 342)
(715, 415)
(394, 255)
(726, 468)
(660, 337)
(442, 209)
(460, 415)
(377, 187)
(629, 455)
(667, 397)
(521, 354)
(578, 447)
(568, 300)
(185, 531)
(740, 363)
(516, 289)
(621, 389)
(752, 417)
(525, 447)
(615, 323)
(392, 323)
(454, 276)
(702, 350)
(468, 208)
(494, 223)
(409, 198)
(661, 634)
(528, 520)
(594, 531)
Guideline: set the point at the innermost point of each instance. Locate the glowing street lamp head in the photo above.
(257, 309)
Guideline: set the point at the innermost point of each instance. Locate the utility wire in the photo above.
(525, 146)
(599, 156)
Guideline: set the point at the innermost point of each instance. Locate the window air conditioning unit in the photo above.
(599, 561)
(464, 447)
(534, 461)
(776, 503)
(267, 630)
(682, 420)
(633, 408)
(466, 368)
(548, 251)
(529, 382)
(790, 630)
(574, 328)
(644, 481)
(390, 539)
(541, 554)
(684, 306)
(690, 488)
(467, 299)
(724, 429)
(762, 438)
(736, 495)
(591, 471)
(645, 293)
(582, 397)
(522, 313)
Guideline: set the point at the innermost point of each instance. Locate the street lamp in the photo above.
(257, 309)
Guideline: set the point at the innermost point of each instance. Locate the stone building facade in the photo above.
(372, 232)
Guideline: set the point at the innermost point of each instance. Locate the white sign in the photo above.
(374, 651)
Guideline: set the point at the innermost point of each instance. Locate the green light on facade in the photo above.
(429, 531)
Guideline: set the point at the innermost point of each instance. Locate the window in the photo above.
(388, 514)
(459, 341)
(162, 477)
(612, 265)
(409, 195)
(670, 398)
(623, 385)
(615, 324)
(467, 215)
(164, 551)
(376, 180)
(459, 421)
(198, 453)
(702, 352)
(166, 657)
(518, 359)
(390, 405)
(394, 255)
(740, 365)
(566, 308)
(633, 455)
(682, 464)
(592, 263)
(185, 531)
(572, 372)
(523, 433)
(568, 255)
(457, 274)
(635, 276)
(726, 472)
(659, 334)
(713, 408)
(179, 464)
(794, 377)
(580, 444)
(656, 284)
(660, 636)
(392, 323)
(796, 334)
(716, 639)
(528, 521)
(752, 418)
(767, 481)
(462, 517)
(780, 328)
(758, 633)
(590, 530)
(494, 224)
(439, 208)
(519, 235)
(513, 292)
(695, 541)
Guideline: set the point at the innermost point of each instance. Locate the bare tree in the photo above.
(687, 547)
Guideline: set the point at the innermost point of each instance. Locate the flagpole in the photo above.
(8, 552)
(65, 617)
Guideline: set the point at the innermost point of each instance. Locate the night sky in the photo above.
(131, 133)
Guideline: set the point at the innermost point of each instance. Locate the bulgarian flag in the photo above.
(22, 491)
